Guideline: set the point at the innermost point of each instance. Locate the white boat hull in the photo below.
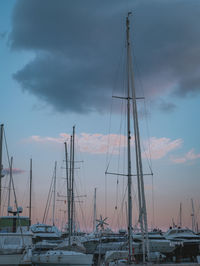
(67, 258)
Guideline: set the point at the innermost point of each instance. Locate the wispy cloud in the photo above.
(61, 139)
(189, 156)
(15, 171)
(89, 143)
(98, 143)
(157, 148)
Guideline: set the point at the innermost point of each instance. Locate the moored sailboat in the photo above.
(70, 252)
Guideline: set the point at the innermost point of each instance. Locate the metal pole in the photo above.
(9, 187)
(95, 209)
(54, 194)
(141, 194)
(72, 192)
(68, 190)
(129, 151)
(180, 221)
(30, 196)
(1, 166)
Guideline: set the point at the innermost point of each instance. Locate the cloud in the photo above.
(189, 156)
(3, 35)
(61, 139)
(15, 171)
(113, 143)
(157, 148)
(88, 143)
(77, 46)
(166, 106)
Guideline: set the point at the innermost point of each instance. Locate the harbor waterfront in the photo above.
(120, 216)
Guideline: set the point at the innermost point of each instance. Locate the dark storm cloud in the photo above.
(166, 106)
(3, 35)
(78, 45)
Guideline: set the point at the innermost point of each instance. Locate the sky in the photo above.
(61, 63)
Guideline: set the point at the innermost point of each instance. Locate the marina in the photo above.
(113, 223)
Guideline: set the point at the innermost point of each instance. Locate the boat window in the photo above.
(172, 232)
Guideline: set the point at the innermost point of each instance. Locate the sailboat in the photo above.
(15, 236)
(69, 252)
(131, 103)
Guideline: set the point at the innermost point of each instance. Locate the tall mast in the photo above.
(180, 215)
(1, 166)
(95, 209)
(30, 193)
(54, 193)
(72, 184)
(193, 215)
(129, 150)
(140, 179)
(10, 180)
(68, 190)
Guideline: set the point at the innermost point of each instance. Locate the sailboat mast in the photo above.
(72, 184)
(54, 194)
(95, 209)
(193, 215)
(140, 179)
(129, 149)
(30, 192)
(9, 186)
(1, 166)
(180, 215)
(68, 190)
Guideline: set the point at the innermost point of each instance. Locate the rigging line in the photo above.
(25, 192)
(48, 206)
(121, 59)
(15, 197)
(48, 198)
(149, 159)
(123, 121)
(82, 184)
(153, 201)
(81, 209)
(105, 195)
(123, 199)
(4, 194)
(119, 151)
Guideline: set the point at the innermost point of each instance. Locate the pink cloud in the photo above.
(15, 171)
(89, 143)
(61, 139)
(160, 147)
(112, 143)
(189, 156)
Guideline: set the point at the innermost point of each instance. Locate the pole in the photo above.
(54, 194)
(180, 221)
(140, 178)
(72, 188)
(30, 193)
(130, 248)
(68, 190)
(95, 209)
(193, 216)
(9, 187)
(1, 166)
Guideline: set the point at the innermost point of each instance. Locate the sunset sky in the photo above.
(61, 62)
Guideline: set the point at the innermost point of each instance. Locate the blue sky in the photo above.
(60, 65)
